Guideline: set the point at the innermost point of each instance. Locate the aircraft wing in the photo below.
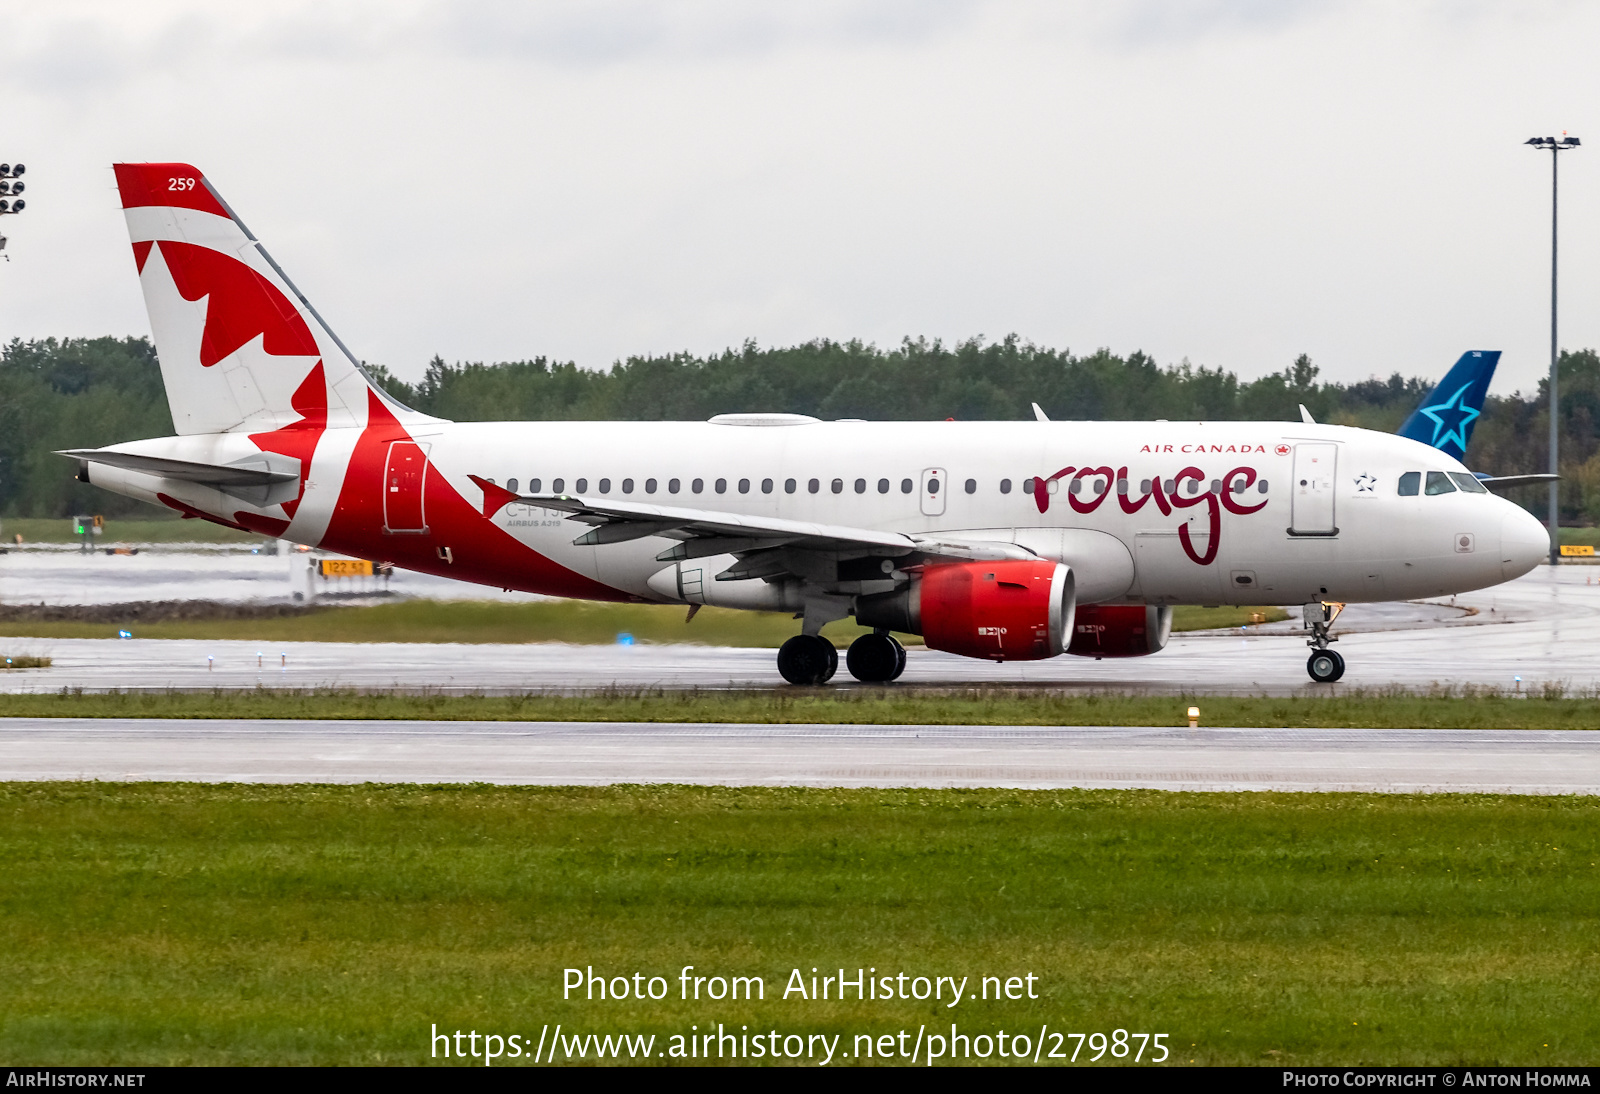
(1500, 482)
(706, 532)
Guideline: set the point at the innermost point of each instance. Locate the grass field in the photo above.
(1389, 709)
(496, 621)
(151, 923)
(118, 530)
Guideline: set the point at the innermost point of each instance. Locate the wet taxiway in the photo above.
(579, 753)
(1539, 630)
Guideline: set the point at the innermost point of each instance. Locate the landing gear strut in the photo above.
(876, 658)
(1324, 666)
(807, 659)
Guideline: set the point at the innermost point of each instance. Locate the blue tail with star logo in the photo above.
(1446, 417)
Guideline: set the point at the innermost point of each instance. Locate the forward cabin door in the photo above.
(933, 490)
(404, 477)
(1311, 507)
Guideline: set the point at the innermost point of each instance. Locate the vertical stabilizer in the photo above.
(1446, 417)
(241, 349)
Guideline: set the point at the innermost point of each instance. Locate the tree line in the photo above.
(86, 392)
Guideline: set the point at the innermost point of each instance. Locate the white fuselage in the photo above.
(1298, 531)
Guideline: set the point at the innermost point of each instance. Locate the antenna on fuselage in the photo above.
(1039, 415)
(1305, 415)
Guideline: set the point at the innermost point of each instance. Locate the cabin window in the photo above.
(972, 486)
(766, 486)
(649, 486)
(1027, 486)
(697, 485)
(672, 486)
(883, 486)
(1438, 483)
(744, 486)
(838, 486)
(1170, 486)
(1467, 482)
(533, 486)
(1216, 486)
(788, 486)
(1073, 487)
(511, 485)
(1261, 488)
(861, 486)
(627, 486)
(906, 486)
(1122, 487)
(558, 486)
(581, 486)
(722, 486)
(1005, 486)
(605, 486)
(813, 486)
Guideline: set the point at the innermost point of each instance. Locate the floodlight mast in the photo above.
(1556, 147)
(9, 187)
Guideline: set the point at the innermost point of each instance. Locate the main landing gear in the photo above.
(809, 659)
(1324, 666)
(876, 658)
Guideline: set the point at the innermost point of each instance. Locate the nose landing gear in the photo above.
(807, 659)
(1324, 666)
(876, 658)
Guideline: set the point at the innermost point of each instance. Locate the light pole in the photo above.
(10, 185)
(1556, 147)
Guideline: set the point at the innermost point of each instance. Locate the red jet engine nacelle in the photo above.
(1000, 611)
(1120, 630)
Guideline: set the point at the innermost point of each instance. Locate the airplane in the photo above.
(1006, 541)
(1446, 416)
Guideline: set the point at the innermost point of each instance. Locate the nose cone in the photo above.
(1524, 544)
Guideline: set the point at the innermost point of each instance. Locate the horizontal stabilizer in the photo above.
(264, 479)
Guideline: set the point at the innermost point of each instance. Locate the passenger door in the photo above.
(1311, 503)
(404, 477)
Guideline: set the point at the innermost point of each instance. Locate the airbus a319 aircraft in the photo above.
(1000, 540)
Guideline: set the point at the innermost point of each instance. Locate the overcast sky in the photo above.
(1234, 182)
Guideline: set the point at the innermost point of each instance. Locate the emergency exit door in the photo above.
(1311, 508)
(933, 492)
(404, 477)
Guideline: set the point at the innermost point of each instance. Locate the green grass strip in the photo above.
(183, 924)
(1390, 709)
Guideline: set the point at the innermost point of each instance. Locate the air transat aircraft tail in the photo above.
(999, 540)
(1445, 418)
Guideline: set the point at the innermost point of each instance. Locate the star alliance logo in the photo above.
(1365, 483)
(1451, 419)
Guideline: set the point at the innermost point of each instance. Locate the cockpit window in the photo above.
(1438, 483)
(1409, 483)
(1467, 482)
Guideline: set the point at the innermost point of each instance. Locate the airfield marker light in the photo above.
(124, 634)
(1565, 144)
(1194, 717)
(624, 639)
(258, 658)
(211, 663)
(284, 663)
